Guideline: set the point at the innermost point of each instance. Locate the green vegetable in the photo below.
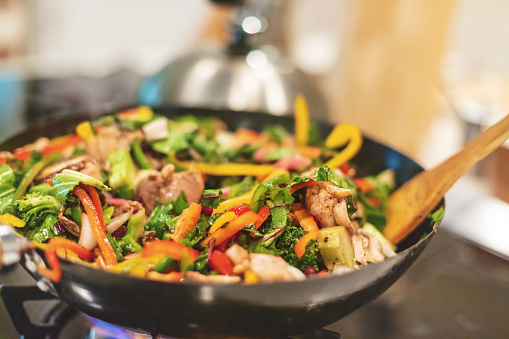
(280, 153)
(263, 191)
(377, 234)
(129, 245)
(211, 198)
(7, 188)
(164, 264)
(76, 214)
(437, 216)
(135, 225)
(63, 183)
(34, 207)
(139, 156)
(335, 245)
(276, 133)
(241, 187)
(116, 248)
(46, 229)
(181, 203)
(286, 243)
(32, 172)
(122, 174)
(107, 213)
(160, 220)
(44, 189)
(383, 186)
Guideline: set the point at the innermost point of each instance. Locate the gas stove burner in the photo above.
(55, 319)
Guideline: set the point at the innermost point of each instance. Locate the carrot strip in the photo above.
(305, 218)
(232, 228)
(187, 220)
(97, 226)
(300, 246)
(363, 184)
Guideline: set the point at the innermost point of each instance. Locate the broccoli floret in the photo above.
(286, 243)
(34, 207)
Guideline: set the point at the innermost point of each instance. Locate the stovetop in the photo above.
(454, 290)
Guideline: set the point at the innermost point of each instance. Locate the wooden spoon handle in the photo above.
(411, 203)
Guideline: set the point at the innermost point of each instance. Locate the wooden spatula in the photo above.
(412, 202)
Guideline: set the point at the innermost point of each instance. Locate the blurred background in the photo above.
(423, 76)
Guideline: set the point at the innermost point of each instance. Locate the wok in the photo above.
(191, 309)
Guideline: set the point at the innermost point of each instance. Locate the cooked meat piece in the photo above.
(337, 191)
(340, 213)
(321, 203)
(92, 170)
(366, 248)
(148, 236)
(221, 279)
(271, 268)
(74, 164)
(190, 182)
(240, 258)
(69, 225)
(148, 190)
(109, 140)
(129, 205)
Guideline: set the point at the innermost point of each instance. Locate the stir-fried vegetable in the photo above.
(184, 198)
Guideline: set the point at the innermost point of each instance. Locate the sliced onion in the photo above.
(118, 221)
(157, 129)
(87, 239)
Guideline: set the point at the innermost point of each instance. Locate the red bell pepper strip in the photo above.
(232, 228)
(22, 154)
(300, 246)
(220, 263)
(54, 272)
(97, 225)
(169, 248)
(263, 214)
(294, 188)
(239, 210)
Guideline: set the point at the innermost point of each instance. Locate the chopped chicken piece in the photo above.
(366, 248)
(240, 258)
(270, 268)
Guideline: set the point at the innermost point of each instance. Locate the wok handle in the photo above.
(11, 247)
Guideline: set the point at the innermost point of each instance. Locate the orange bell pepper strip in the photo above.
(300, 246)
(61, 143)
(232, 228)
(306, 220)
(363, 184)
(294, 188)
(98, 227)
(54, 271)
(340, 135)
(170, 249)
(301, 120)
(96, 200)
(186, 221)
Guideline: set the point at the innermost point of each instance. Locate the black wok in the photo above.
(265, 310)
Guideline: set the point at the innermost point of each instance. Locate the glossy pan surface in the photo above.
(265, 310)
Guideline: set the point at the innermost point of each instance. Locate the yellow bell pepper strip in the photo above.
(230, 203)
(170, 249)
(10, 220)
(97, 225)
(223, 219)
(300, 246)
(142, 113)
(306, 220)
(340, 135)
(186, 221)
(84, 130)
(232, 228)
(301, 120)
